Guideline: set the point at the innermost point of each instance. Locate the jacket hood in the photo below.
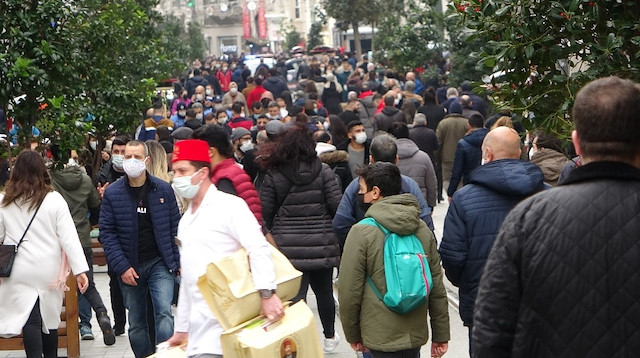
(476, 137)
(273, 80)
(324, 147)
(550, 162)
(511, 177)
(301, 173)
(68, 178)
(390, 111)
(336, 156)
(398, 213)
(406, 148)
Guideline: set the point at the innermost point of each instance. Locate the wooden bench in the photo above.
(68, 331)
(98, 253)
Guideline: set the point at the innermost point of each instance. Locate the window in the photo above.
(297, 9)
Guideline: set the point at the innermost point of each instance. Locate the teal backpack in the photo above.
(406, 271)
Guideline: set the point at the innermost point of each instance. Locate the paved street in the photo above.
(458, 346)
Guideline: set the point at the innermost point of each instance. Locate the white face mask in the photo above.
(208, 92)
(223, 120)
(72, 163)
(134, 167)
(199, 116)
(531, 153)
(182, 113)
(93, 145)
(117, 160)
(199, 97)
(184, 188)
(233, 90)
(246, 146)
(361, 137)
(326, 126)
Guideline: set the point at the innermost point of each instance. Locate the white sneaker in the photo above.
(330, 344)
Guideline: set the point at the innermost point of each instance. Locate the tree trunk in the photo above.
(356, 40)
(373, 36)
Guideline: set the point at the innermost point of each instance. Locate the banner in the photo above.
(246, 21)
(262, 20)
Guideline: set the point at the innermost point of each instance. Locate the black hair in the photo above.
(476, 120)
(237, 107)
(385, 176)
(217, 137)
(389, 100)
(353, 124)
(120, 140)
(400, 130)
(196, 71)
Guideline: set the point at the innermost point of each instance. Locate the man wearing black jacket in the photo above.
(563, 273)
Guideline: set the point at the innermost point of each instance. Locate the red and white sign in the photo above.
(246, 21)
(262, 20)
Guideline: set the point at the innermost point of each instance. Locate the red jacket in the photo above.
(241, 122)
(254, 96)
(225, 80)
(228, 169)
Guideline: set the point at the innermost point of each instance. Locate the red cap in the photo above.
(191, 149)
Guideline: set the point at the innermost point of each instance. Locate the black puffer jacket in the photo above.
(563, 277)
(298, 205)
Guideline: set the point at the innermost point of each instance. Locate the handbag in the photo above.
(230, 293)
(8, 252)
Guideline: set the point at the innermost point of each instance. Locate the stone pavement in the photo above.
(458, 346)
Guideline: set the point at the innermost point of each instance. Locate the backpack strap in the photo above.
(372, 222)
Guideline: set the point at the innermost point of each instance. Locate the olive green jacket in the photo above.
(364, 317)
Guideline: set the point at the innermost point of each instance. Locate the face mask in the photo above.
(182, 113)
(246, 146)
(93, 145)
(361, 137)
(223, 120)
(531, 153)
(283, 112)
(118, 161)
(170, 96)
(184, 188)
(326, 125)
(364, 206)
(134, 167)
(199, 97)
(233, 90)
(224, 69)
(273, 117)
(185, 96)
(199, 116)
(208, 92)
(72, 162)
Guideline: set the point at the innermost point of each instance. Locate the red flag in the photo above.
(262, 20)
(246, 21)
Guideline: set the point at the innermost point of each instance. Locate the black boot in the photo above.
(105, 325)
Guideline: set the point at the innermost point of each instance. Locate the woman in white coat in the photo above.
(31, 299)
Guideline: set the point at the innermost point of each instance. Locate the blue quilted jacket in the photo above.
(475, 215)
(119, 224)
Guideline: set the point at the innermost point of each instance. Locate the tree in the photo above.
(545, 51)
(351, 13)
(197, 46)
(291, 36)
(413, 40)
(314, 38)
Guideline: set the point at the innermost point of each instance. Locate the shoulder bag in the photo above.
(8, 252)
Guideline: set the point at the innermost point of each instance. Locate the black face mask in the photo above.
(184, 97)
(364, 206)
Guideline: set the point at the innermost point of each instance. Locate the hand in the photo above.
(439, 349)
(179, 339)
(449, 198)
(101, 189)
(270, 239)
(359, 347)
(83, 282)
(105, 156)
(129, 277)
(272, 308)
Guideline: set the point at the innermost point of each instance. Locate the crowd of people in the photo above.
(237, 159)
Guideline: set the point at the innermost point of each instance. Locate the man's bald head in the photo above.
(410, 76)
(501, 143)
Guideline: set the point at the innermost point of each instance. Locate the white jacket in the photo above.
(221, 226)
(37, 263)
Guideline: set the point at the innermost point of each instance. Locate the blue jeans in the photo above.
(155, 280)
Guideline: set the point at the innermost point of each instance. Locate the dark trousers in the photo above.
(91, 295)
(117, 302)
(407, 353)
(36, 343)
(438, 168)
(322, 284)
(470, 340)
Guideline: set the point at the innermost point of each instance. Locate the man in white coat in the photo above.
(214, 226)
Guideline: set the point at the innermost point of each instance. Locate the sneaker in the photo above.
(330, 344)
(86, 334)
(107, 331)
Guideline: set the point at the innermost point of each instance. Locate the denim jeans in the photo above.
(91, 298)
(156, 280)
